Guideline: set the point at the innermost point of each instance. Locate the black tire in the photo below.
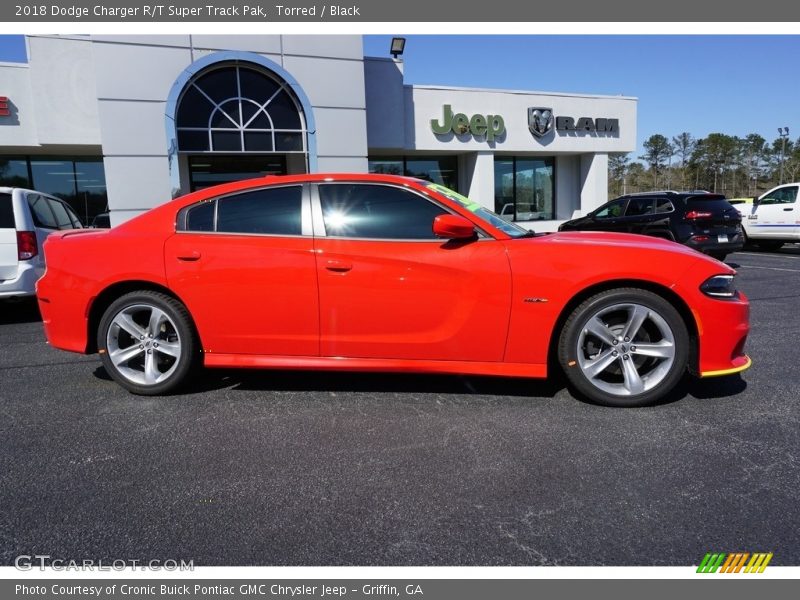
(163, 373)
(769, 245)
(610, 386)
(719, 255)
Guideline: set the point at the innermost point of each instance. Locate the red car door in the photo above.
(389, 289)
(244, 266)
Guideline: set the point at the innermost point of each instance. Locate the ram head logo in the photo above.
(540, 121)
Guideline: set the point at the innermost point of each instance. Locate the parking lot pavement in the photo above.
(312, 469)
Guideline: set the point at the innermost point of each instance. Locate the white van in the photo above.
(27, 217)
(773, 219)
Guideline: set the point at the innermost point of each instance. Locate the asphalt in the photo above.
(264, 468)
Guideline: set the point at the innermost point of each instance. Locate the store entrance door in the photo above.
(211, 169)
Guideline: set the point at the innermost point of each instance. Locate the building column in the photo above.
(594, 181)
(477, 178)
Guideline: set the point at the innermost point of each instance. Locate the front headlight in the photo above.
(720, 286)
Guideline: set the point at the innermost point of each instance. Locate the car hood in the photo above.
(607, 239)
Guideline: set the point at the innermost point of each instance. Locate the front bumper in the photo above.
(722, 327)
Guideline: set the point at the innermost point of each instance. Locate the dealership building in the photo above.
(124, 123)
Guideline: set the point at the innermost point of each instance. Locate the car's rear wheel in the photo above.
(624, 347)
(769, 245)
(147, 342)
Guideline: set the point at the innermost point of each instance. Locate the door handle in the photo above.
(788, 209)
(189, 256)
(338, 266)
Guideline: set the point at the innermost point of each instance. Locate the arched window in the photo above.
(237, 108)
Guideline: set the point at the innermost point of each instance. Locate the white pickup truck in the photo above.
(773, 219)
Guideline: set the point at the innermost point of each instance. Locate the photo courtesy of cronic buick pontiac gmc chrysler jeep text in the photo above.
(385, 273)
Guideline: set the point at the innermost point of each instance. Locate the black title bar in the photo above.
(461, 11)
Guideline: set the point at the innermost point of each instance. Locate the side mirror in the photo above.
(756, 201)
(453, 227)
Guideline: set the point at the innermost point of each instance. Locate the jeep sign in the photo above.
(491, 126)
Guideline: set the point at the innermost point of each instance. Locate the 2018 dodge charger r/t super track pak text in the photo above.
(385, 273)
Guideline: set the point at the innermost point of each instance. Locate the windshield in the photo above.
(481, 212)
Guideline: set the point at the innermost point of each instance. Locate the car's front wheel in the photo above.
(624, 347)
(147, 343)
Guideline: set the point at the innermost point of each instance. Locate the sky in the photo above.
(700, 84)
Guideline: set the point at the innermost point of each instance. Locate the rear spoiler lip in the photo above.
(70, 232)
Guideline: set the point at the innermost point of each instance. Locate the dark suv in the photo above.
(703, 221)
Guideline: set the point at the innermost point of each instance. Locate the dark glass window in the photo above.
(387, 166)
(240, 100)
(256, 86)
(786, 195)
(274, 211)
(14, 172)
(525, 188)
(663, 205)
(196, 141)
(201, 217)
(216, 169)
(63, 220)
(219, 84)
(639, 206)
(613, 209)
(90, 184)
(42, 215)
(194, 109)
(79, 181)
(226, 141)
(377, 212)
(436, 169)
(6, 212)
(283, 112)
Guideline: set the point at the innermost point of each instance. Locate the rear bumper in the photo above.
(64, 315)
(24, 284)
(714, 246)
(723, 326)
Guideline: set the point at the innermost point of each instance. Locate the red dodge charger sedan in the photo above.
(385, 273)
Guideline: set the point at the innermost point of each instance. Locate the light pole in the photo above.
(783, 132)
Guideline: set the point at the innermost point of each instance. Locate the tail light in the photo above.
(698, 214)
(700, 238)
(26, 245)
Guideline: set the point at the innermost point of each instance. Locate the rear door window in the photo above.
(201, 217)
(42, 215)
(76, 220)
(63, 220)
(640, 206)
(6, 212)
(272, 211)
(664, 205)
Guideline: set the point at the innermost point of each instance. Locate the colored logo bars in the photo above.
(734, 562)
